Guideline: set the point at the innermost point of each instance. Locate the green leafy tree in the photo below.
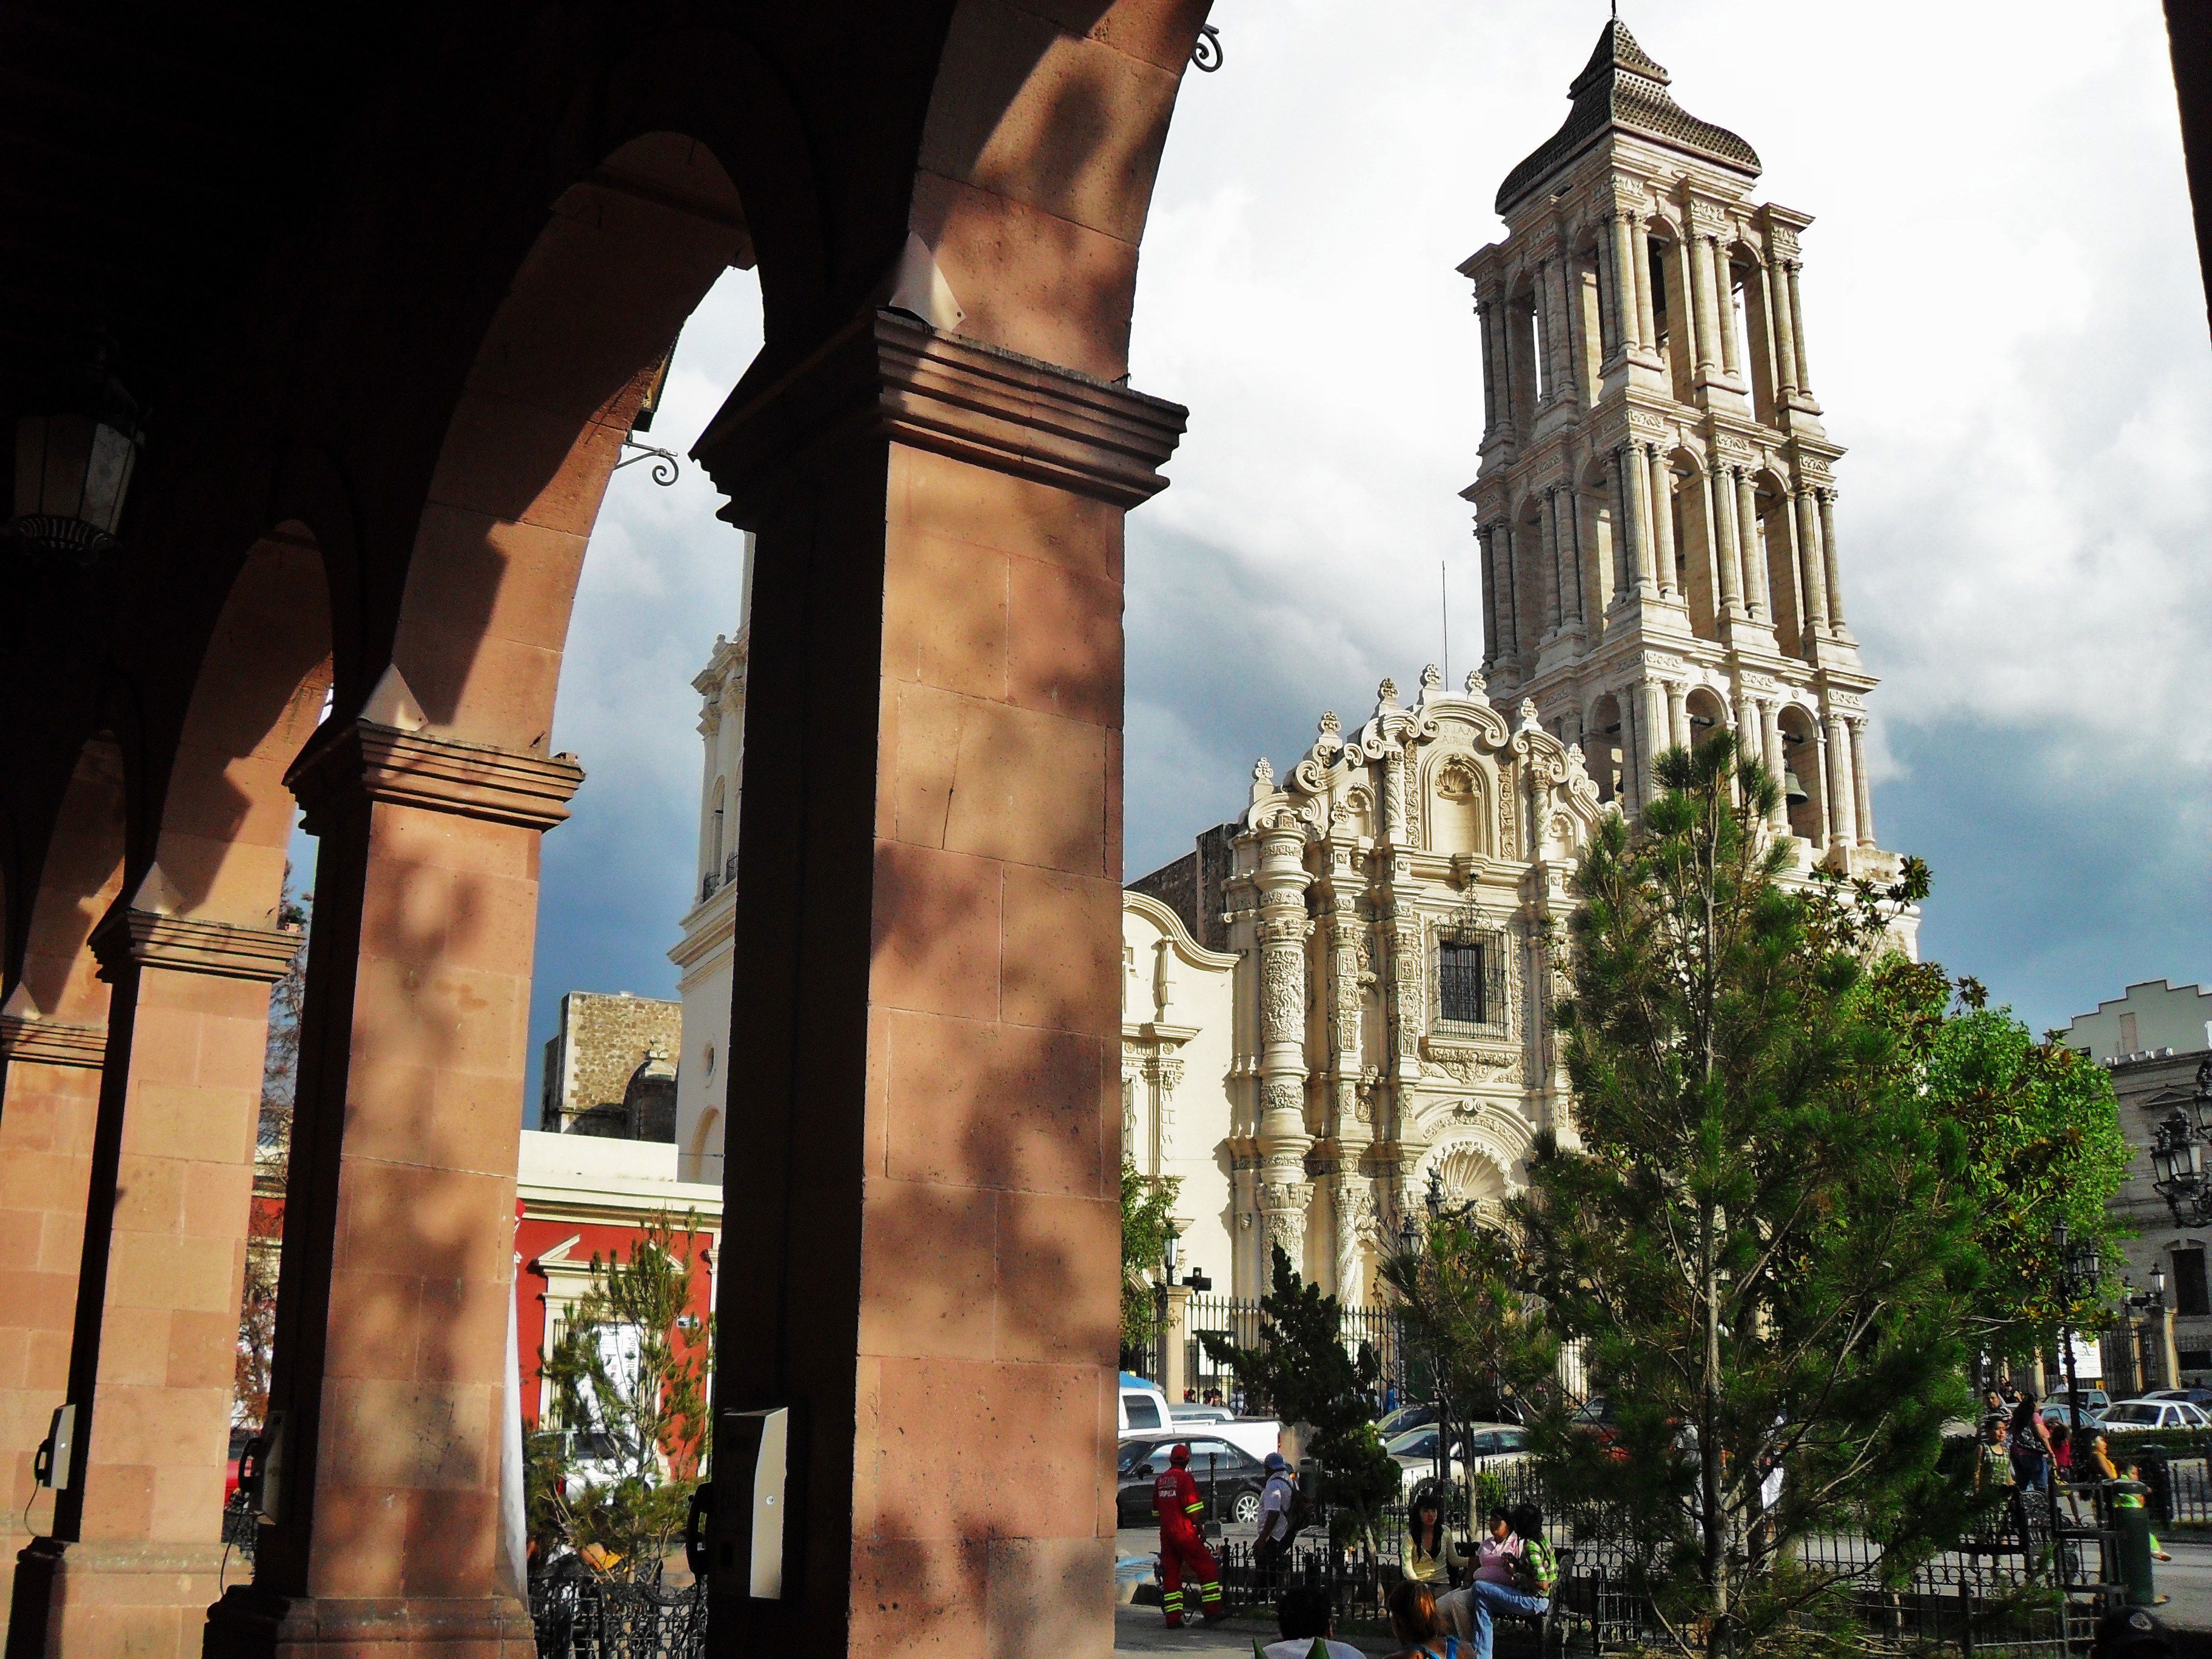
(1764, 1235)
(1147, 1203)
(2043, 1144)
(612, 1476)
(1301, 1368)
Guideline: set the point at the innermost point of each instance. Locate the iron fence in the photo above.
(580, 1618)
(1238, 1320)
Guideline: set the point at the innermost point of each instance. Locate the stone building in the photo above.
(2153, 1039)
(609, 1067)
(1656, 507)
(1376, 1012)
(703, 955)
(1657, 501)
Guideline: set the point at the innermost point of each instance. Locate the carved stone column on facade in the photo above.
(1492, 643)
(1770, 718)
(1829, 561)
(1647, 332)
(1554, 589)
(1780, 306)
(1677, 714)
(1283, 1137)
(1700, 249)
(1862, 785)
(1720, 536)
(1748, 549)
(1803, 380)
(1812, 568)
(1842, 791)
(1662, 520)
(1483, 307)
(1354, 1205)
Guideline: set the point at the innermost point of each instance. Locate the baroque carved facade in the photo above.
(1656, 511)
(1378, 972)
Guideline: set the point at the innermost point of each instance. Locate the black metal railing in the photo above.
(582, 1618)
(1237, 1320)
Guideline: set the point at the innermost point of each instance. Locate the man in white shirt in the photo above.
(1304, 1616)
(1274, 1543)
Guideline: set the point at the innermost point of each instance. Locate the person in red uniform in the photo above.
(1183, 1549)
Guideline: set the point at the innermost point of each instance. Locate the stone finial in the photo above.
(1386, 693)
(1477, 687)
(1432, 679)
(1330, 725)
(1578, 763)
(1263, 779)
(1529, 720)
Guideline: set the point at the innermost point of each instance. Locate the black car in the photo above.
(1229, 1478)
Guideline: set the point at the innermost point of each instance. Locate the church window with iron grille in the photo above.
(1470, 982)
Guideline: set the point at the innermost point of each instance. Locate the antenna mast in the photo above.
(1443, 586)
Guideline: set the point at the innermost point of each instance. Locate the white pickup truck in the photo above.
(1144, 1416)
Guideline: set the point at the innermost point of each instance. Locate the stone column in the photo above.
(1283, 1139)
(1651, 717)
(1555, 588)
(1755, 594)
(1509, 617)
(1780, 306)
(1770, 713)
(1355, 1207)
(1491, 632)
(1862, 785)
(1804, 376)
(1724, 307)
(1571, 516)
(1720, 528)
(1749, 744)
(1564, 332)
(1677, 714)
(397, 1264)
(1624, 523)
(1699, 248)
(1811, 566)
(135, 1553)
(1483, 310)
(1548, 385)
(1827, 500)
(49, 1100)
(1842, 795)
(1647, 327)
(1175, 1360)
(1662, 520)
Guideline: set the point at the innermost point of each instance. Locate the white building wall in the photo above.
(1178, 1030)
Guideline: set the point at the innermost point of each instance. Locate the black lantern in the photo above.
(74, 457)
(2176, 1158)
(1168, 1254)
(2158, 1286)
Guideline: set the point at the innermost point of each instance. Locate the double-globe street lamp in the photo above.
(2178, 1156)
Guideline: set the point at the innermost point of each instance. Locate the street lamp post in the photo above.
(2080, 1272)
(2178, 1156)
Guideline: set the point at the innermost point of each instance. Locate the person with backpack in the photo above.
(1277, 1519)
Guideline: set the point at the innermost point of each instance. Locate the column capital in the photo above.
(50, 1042)
(362, 760)
(188, 946)
(887, 375)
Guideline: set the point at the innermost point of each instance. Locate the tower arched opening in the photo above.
(1804, 776)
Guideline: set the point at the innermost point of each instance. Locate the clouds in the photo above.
(2006, 327)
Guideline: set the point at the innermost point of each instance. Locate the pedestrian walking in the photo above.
(2031, 1445)
(1183, 1553)
(1277, 1500)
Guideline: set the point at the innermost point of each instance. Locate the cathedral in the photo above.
(1338, 1003)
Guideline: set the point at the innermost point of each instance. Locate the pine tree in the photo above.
(1762, 1235)
(612, 1476)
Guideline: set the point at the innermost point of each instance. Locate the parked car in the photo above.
(1143, 1405)
(1257, 1436)
(1406, 1417)
(1415, 1450)
(2057, 1412)
(2153, 1414)
(1229, 1475)
(1193, 1413)
(2200, 1398)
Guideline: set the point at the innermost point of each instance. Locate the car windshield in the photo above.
(1414, 1443)
(1596, 1409)
(2129, 1412)
(1134, 1454)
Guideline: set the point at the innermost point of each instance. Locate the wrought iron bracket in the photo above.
(665, 465)
(1206, 53)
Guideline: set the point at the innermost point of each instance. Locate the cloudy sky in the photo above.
(2007, 328)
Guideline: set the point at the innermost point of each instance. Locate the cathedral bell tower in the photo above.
(1656, 505)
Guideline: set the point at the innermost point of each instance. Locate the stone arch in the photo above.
(1745, 268)
(1777, 558)
(1708, 713)
(1696, 542)
(1603, 541)
(704, 1154)
(1670, 303)
(1604, 747)
(1460, 802)
(226, 813)
(1801, 765)
(568, 360)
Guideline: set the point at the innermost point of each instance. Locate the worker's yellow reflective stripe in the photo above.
(1194, 1508)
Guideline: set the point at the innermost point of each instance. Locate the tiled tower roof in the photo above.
(1623, 87)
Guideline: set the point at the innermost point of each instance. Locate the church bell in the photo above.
(1792, 791)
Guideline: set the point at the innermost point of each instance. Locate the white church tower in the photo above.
(704, 955)
(1657, 501)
